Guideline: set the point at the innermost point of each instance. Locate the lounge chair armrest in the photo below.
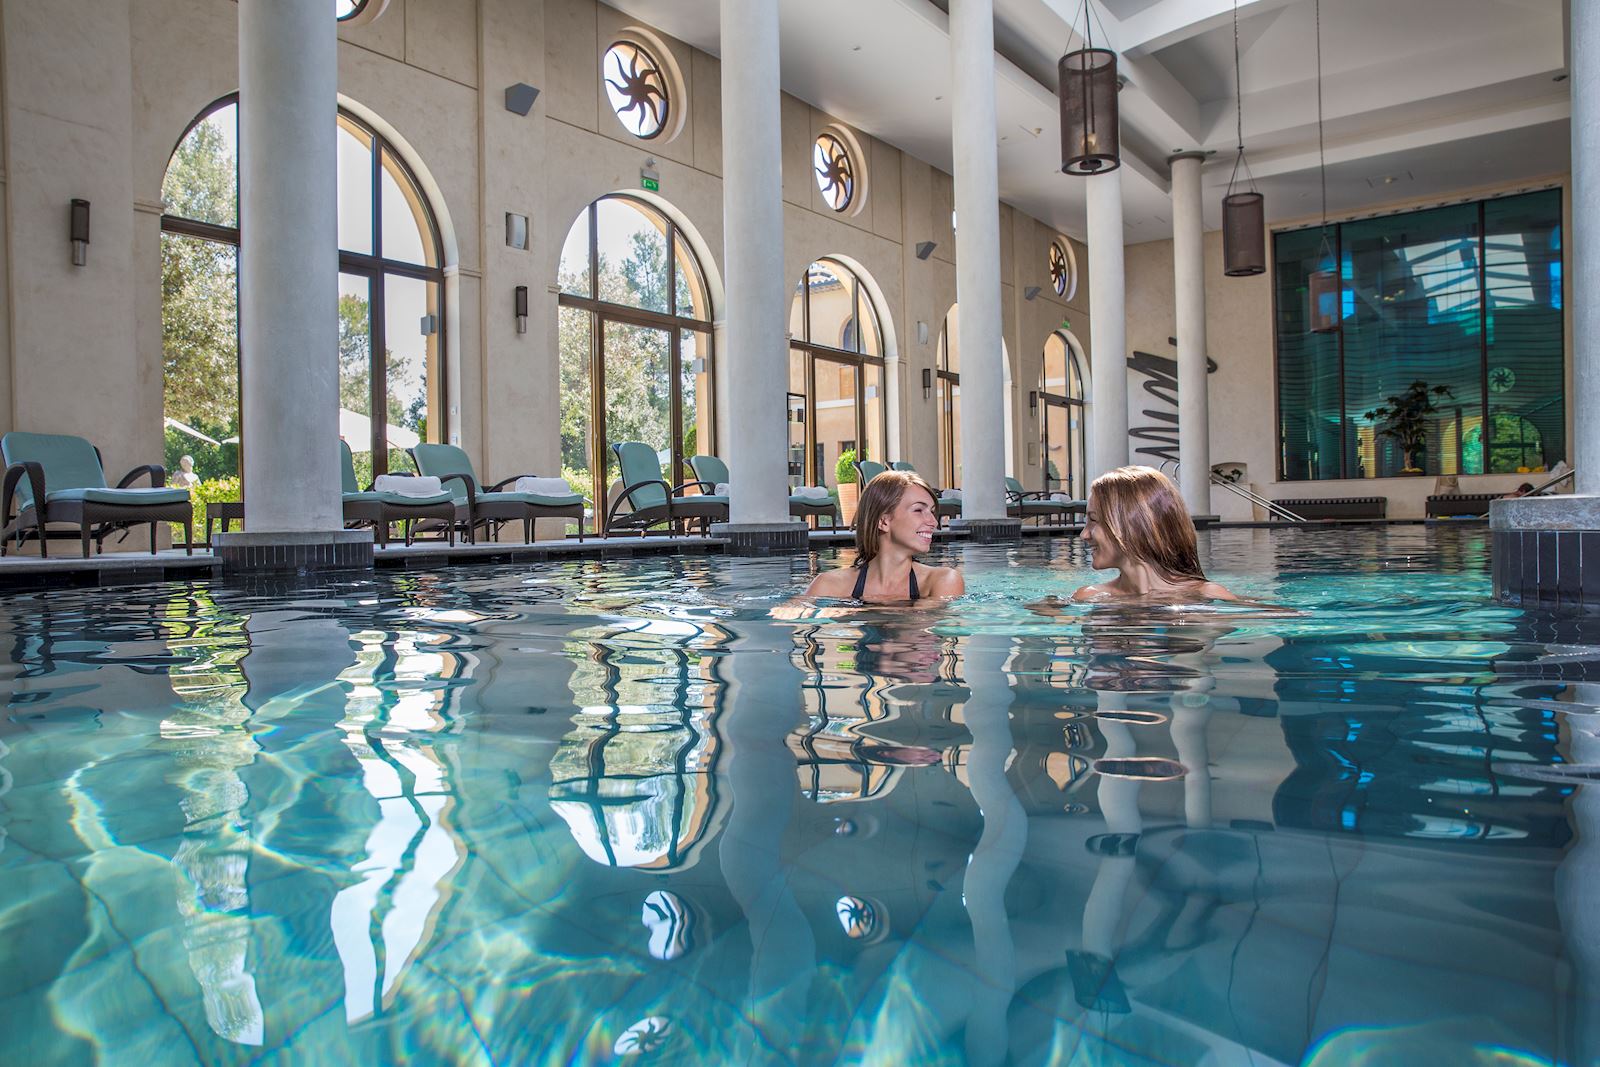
(502, 483)
(705, 487)
(30, 470)
(626, 493)
(157, 473)
(464, 479)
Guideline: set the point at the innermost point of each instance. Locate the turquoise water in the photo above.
(618, 812)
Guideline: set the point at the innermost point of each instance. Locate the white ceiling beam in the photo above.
(1170, 21)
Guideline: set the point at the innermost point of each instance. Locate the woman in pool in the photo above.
(1138, 525)
(895, 521)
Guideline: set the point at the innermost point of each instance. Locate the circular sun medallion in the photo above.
(637, 89)
(1060, 270)
(836, 171)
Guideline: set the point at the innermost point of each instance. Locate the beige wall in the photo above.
(1239, 317)
(430, 75)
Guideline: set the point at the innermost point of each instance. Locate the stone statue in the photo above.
(185, 477)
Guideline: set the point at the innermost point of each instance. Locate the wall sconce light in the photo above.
(1033, 401)
(522, 308)
(80, 232)
(430, 325)
(922, 333)
(520, 98)
(925, 249)
(927, 382)
(1030, 292)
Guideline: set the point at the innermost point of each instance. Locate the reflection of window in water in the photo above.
(634, 780)
(412, 851)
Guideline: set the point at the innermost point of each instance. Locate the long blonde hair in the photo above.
(879, 498)
(1143, 513)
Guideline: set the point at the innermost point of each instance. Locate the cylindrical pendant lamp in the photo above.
(1088, 94)
(1244, 234)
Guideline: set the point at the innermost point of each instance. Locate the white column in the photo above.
(752, 214)
(289, 266)
(1585, 247)
(1108, 357)
(983, 436)
(1189, 295)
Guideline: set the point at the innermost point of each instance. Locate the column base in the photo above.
(299, 552)
(763, 538)
(1545, 551)
(989, 530)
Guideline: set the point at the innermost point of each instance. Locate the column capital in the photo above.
(1189, 153)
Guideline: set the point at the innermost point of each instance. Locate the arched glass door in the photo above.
(1062, 426)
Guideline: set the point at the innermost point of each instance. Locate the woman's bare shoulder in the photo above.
(1092, 592)
(941, 581)
(839, 582)
(1217, 591)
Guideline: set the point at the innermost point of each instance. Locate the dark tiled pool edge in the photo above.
(1545, 551)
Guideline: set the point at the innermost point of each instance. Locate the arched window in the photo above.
(391, 327)
(635, 343)
(836, 374)
(1061, 425)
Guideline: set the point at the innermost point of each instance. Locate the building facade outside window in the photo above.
(1467, 297)
(391, 322)
(836, 374)
(635, 342)
(1061, 419)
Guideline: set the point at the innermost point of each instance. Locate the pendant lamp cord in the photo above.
(1322, 151)
(1238, 89)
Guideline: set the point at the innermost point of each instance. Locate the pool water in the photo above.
(626, 812)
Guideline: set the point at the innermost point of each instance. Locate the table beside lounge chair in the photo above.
(651, 501)
(711, 470)
(60, 478)
(381, 508)
(493, 506)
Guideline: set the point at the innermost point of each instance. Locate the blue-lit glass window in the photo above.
(1465, 297)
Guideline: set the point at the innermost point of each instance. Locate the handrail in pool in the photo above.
(1272, 507)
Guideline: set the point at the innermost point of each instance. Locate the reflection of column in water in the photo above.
(5, 787)
(1119, 804)
(1191, 711)
(762, 696)
(1578, 876)
(999, 849)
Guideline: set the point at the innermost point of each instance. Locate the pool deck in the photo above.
(67, 568)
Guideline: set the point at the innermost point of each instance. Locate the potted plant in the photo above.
(844, 476)
(1405, 418)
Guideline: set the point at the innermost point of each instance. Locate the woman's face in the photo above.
(1103, 554)
(912, 522)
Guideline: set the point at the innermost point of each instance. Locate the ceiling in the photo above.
(1421, 98)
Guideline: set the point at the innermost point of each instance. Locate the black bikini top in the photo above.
(861, 584)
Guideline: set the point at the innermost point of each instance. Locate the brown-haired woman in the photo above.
(895, 520)
(1137, 524)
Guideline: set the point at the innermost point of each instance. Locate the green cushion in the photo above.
(565, 500)
(435, 461)
(640, 464)
(399, 499)
(347, 470)
(69, 462)
(902, 465)
(870, 469)
(1012, 485)
(702, 498)
(709, 469)
(134, 497)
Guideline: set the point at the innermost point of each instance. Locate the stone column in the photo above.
(983, 442)
(1585, 245)
(1189, 296)
(752, 216)
(289, 292)
(1108, 356)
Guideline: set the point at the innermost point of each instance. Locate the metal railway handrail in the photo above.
(1557, 480)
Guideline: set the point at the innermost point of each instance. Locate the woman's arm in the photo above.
(944, 581)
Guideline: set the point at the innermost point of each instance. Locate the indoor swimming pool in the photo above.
(625, 811)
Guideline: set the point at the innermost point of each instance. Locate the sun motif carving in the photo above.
(835, 171)
(1502, 380)
(1060, 273)
(344, 10)
(645, 1037)
(637, 89)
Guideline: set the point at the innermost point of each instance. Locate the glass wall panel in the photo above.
(407, 233)
(200, 353)
(1524, 343)
(694, 382)
(638, 381)
(633, 256)
(872, 410)
(575, 340)
(411, 367)
(836, 410)
(201, 182)
(355, 371)
(574, 271)
(355, 187)
(1464, 301)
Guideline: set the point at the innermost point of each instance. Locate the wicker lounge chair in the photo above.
(59, 478)
(650, 501)
(382, 508)
(494, 506)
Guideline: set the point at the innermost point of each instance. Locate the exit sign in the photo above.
(652, 184)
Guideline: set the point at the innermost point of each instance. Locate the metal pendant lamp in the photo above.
(1323, 284)
(1244, 210)
(1088, 96)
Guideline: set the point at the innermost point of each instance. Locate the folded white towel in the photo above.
(544, 486)
(950, 494)
(720, 489)
(408, 485)
(1061, 498)
(811, 492)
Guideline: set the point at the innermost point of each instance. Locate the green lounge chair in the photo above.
(942, 507)
(491, 507)
(59, 478)
(1022, 504)
(651, 501)
(868, 469)
(381, 509)
(711, 470)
